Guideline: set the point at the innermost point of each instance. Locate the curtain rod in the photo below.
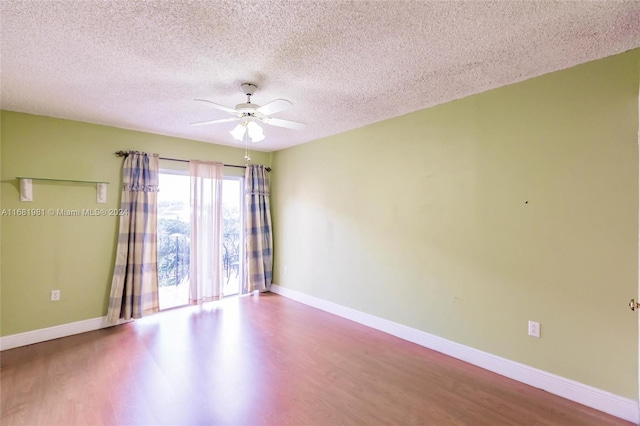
(125, 153)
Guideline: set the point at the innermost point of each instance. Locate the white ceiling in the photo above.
(139, 65)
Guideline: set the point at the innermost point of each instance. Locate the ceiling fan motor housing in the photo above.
(248, 107)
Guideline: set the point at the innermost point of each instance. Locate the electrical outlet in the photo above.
(534, 329)
(286, 270)
(55, 295)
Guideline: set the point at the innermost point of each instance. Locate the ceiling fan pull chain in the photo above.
(247, 158)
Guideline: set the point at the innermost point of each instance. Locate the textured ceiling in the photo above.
(139, 65)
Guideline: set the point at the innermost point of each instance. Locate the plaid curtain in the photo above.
(259, 239)
(134, 289)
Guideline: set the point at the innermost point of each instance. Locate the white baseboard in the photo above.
(56, 332)
(598, 399)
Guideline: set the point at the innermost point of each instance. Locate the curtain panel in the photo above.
(134, 287)
(205, 275)
(258, 231)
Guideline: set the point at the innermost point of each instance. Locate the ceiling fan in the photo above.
(250, 115)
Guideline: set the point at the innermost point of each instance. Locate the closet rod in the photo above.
(125, 153)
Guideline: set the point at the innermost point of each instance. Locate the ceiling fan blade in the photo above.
(274, 106)
(223, 120)
(220, 107)
(284, 123)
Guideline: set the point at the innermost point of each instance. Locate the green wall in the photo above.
(470, 218)
(73, 254)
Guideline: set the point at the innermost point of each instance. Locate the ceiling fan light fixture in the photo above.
(255, 131)
(258, 138)
(238, 132)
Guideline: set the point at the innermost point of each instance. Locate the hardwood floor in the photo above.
(261, 360)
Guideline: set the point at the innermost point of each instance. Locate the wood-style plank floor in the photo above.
(261, 360)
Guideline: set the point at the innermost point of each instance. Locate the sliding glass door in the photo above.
(174, 229)
(232, 235)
